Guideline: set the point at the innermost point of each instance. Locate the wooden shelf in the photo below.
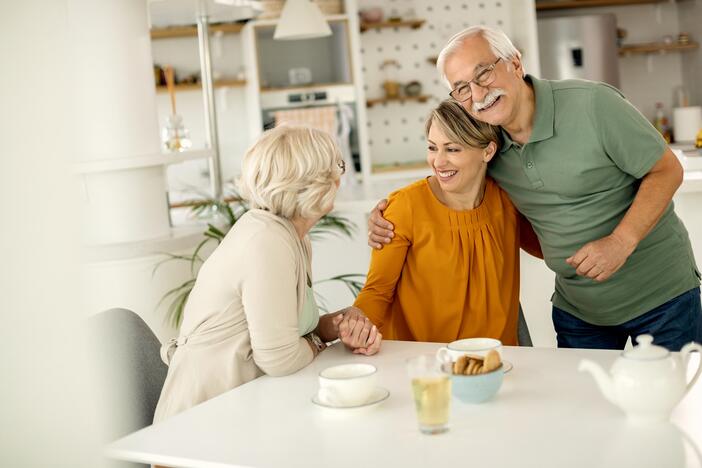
(656, 47)
(372, 102)
(198, 86)
(303, 87)
(189, 31)
(414, 24)
(563, 4)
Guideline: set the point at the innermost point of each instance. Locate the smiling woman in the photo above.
(452, 269)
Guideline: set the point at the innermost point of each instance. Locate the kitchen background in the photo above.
(350, 79)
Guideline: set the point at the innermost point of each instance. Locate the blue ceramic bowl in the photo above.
(477, 388)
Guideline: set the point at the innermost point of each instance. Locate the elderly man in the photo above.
(596, 181)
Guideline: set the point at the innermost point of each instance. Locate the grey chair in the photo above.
(130, 371)
(523, 335)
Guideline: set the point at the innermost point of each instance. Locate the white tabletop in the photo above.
(545, 415)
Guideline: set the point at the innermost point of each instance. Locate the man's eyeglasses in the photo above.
(484, 78)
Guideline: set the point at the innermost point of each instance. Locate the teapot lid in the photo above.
(646, 350)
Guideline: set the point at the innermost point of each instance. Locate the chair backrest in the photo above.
(523, 335)
(130, 370)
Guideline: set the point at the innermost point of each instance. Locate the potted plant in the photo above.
(231, 209)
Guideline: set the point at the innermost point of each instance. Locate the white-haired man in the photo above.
(596, 181)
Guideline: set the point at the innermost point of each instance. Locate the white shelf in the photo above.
(401, 174)
(179, 239)
(159, 159)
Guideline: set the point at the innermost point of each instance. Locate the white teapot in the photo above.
(646, 382)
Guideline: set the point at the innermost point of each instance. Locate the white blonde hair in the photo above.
(291, 171)
(499, 43)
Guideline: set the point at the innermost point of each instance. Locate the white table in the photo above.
(545, 415)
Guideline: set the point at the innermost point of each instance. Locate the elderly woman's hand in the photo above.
(358, 333)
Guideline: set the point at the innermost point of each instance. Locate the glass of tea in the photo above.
(431, 389)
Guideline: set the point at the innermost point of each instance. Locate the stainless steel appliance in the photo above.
(579, 47)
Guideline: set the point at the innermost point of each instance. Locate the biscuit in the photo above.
(475, 357)
(492, 361)
(460, 365)
(471, 365)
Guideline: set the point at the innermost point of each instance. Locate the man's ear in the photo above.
(516, 64)
(489, 152)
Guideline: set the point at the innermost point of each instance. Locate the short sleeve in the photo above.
(629, 139)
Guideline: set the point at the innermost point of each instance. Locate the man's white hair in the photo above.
(499, 43)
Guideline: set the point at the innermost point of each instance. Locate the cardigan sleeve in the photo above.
(269, 297)
(378, 294)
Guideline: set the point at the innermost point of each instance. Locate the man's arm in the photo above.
(600, 259)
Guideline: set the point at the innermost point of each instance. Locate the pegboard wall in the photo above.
(396, 130)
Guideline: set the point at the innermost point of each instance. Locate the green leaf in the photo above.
(353, 281)
(333, 225)
(233, 210)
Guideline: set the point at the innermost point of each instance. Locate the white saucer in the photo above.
(379, 395)
(507, 366)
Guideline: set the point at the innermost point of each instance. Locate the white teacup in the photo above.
(475, 346)
(347, 384)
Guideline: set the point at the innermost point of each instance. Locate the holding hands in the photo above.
(357, 332)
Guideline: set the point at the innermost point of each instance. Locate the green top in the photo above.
(575, 179)
(309, 318)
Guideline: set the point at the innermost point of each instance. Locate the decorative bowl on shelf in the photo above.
(371, 15)
(413, 88)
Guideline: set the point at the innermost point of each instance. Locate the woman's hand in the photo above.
(358, 333)
(373, 343)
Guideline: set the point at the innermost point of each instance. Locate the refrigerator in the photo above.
(582, 47)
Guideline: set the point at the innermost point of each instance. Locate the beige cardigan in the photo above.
(241, 319)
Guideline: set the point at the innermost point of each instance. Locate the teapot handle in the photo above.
(685, 354)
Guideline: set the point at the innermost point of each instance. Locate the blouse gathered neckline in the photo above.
(479, 214)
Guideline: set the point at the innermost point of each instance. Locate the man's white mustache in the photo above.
(488, 99)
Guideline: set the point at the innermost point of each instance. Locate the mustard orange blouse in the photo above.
(446, 274)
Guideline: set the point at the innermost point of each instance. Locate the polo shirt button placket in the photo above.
(531, 172)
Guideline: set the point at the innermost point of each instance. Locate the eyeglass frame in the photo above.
(488, 69)
(342, 166)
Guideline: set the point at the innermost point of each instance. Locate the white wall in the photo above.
(397, 130)
(690, 16)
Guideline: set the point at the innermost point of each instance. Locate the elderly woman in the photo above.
(452, 268)
(252, 309)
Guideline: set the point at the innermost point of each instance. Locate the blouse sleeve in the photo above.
(528, 240)
(269, 297)
(376, 297)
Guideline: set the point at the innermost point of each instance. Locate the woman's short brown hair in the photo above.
(460, 127)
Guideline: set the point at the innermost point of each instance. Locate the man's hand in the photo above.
(379, 230)
(600, 259)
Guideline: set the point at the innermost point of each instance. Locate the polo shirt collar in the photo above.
(544, 117)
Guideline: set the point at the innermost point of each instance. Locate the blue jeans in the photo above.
(672, 325)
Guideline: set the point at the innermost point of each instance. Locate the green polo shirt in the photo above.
(575, 179)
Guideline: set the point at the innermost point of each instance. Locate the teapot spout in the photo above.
(603, 379)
